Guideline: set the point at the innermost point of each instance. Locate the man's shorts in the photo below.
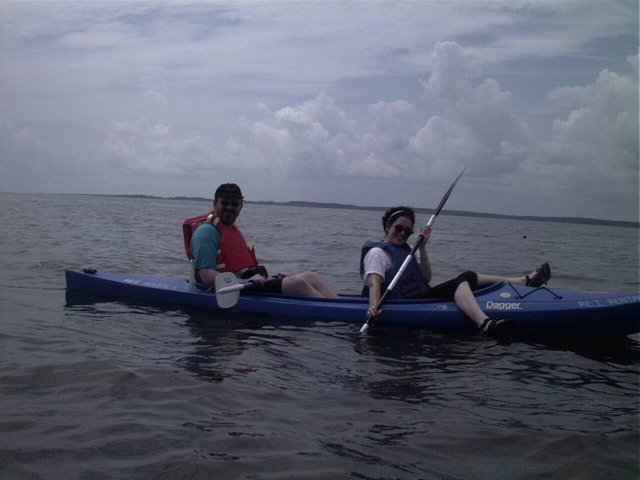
(272, 285)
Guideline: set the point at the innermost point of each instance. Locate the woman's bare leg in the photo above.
(307, 284)
(466, 302)
(318, 284)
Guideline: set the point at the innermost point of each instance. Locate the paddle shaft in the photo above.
(234, 288)
(405, 264)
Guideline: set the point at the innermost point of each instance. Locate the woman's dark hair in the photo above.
(395, 212)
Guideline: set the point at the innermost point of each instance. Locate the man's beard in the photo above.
(228, 216)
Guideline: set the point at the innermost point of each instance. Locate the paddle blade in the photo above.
(446, 195)
(226, 296)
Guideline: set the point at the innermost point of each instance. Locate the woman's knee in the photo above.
(312, 278)
(470, 277)
(297, 283)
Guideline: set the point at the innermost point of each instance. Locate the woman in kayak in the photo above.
(380, 261)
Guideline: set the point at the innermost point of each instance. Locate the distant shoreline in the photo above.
(459, 213)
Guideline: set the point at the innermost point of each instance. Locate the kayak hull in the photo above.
(536, 311)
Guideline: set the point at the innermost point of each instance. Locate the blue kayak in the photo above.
(535, 311)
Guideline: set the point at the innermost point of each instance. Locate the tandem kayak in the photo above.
(537, 311)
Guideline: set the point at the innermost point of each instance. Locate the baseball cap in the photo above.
(228, 190)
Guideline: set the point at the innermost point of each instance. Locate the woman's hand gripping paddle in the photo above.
(228, 289)
(405, 264)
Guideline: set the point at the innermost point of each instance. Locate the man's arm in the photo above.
(208, 275)
(204, 247)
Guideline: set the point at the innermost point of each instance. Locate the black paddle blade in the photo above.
(446, 195)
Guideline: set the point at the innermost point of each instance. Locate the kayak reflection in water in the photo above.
(380, 261)
(218, 246)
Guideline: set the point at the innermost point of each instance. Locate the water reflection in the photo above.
(614, 350)
(409, 379)
(412, 363)
(217, 341)
(421, 367)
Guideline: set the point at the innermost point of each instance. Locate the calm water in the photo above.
(109, 389)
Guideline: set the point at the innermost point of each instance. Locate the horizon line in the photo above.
(557, 219)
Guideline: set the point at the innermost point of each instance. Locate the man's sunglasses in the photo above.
(233, 203)
(407, 230)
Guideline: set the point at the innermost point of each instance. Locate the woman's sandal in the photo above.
(542, 276)
(494, 328)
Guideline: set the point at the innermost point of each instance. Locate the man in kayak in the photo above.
(380, 261)
(218, 246)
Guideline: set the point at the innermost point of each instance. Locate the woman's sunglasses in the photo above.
(233, 203)
(407, 230)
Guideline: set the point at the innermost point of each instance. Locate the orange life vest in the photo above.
(233, 255)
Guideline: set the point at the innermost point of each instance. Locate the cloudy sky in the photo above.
(368, 103)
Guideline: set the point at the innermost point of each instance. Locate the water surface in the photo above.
(102, 388)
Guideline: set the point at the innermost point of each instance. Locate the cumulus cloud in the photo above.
(480, 118)
(143, 147)
(302, 139)
(599, 136)
(593, 141)
(443, 145)
(452, 69)
(477, 126)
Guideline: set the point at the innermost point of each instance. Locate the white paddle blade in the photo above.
(226, 295)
